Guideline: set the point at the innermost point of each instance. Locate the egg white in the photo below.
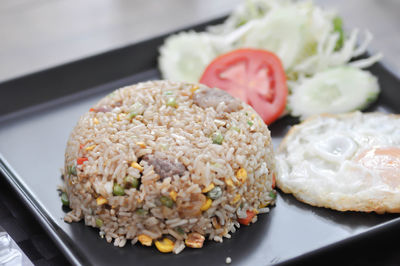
(328, 161)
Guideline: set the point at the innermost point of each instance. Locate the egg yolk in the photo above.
(385, 162)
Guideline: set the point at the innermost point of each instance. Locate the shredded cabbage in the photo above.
(308, 40)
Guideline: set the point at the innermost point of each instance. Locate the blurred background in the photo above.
(39, 34)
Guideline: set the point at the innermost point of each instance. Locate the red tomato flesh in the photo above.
(255, 76)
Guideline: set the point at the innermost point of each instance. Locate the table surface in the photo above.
(39, 34)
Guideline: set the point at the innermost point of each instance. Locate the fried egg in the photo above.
(347, 162)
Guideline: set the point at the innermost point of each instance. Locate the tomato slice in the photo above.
(255, 76)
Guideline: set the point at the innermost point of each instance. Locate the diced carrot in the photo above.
(81, 146)
(80, 160)
(91, 110)
(247, 220)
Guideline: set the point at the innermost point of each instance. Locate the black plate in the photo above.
(37, 113)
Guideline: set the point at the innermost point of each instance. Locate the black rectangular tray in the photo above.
(38, 111)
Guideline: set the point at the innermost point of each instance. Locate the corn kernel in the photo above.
(236, 198)
(206, 205)
(137, 166)
(195, 240)
(194, 88)
(253, 116)
(101, 200)
(121, 116)
(241, 175)
(208, 188)
(90, 148)
(263, 205)
(255, 211)
(173, 195)
(229, 182)
(141, 144)
(166, 245)
(96, 121)
(145, 240)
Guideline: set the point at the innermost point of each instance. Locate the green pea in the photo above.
(272, 194)
(131, 181)
(99, 222)
(136, 109)
(118, 190)
(217, 138)
(72, 170)
(133, 114)
(64, 199)
(215, 193)
(180, 230)
(236, 129)
(172, 102)
(166, 201)
(250, 123)
(141, 211)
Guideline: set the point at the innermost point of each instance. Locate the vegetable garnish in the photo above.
(80, 160)
(118, 190)
(64, 199)
(334, 91)
(254, 76)
(307, 39)
(99, 222)
(217, 138)
(247, 220)
(166, 201)
(215, 193)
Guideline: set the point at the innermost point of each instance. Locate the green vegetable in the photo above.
(335, 90)
(172, 102)
(217, 138)
(99, 222)
(118, 190)
(272, 194)
(236, 129)
(338, 27)
(137, 109)
(180, 230)
(166, 201)
(133, 182)
(168, 93)
(141, 211)
(215, 193)
(72, 170)
(250, 123)
(64, 199)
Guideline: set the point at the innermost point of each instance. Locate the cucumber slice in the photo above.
(184, 56)
(335, 90)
